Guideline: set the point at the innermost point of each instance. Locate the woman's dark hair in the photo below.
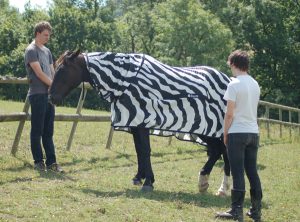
(239, 59)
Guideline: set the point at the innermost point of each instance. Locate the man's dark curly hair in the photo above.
(41, 26)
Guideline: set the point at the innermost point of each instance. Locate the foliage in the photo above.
(80, 26)
(189, 35)
(11, 37)
(31, 17)
(136, 30)
(273, 40)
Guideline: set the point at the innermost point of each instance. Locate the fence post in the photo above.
(268, 124)
(109, 139)
(280, 125)
(20, 128)
(299, 121)
(170, 140)
(290, 120)
(78, 111)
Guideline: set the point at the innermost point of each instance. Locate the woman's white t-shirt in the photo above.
(245, 92)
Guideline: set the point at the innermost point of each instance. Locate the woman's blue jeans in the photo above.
(242, 153)
(42, 126)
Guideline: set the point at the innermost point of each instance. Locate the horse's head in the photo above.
(70, 71)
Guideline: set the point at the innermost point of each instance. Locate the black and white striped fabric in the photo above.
(181, 101)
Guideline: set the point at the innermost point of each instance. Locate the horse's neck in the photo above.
(110, 62)
(108, 71)
(109, 66)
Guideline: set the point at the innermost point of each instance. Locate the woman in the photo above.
(241, 137)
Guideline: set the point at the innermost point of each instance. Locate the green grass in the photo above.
(97, 183)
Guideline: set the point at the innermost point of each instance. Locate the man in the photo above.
(241, 137)
(40, 71)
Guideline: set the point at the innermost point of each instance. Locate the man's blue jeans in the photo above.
(242, 153)
(42, 126)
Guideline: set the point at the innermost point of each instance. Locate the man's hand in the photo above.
(39, 73)
(228, 119)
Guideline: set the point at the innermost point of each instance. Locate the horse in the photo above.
(147, 97)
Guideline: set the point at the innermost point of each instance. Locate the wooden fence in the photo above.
(75, 118)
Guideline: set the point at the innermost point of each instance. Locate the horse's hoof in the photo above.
(137, 181)
(203, 183)
(221, 194)
(147, 188)
(203, 187)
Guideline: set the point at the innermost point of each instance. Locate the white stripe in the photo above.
(177, 112)
(125, 114)
(190, 115)
(169, 117)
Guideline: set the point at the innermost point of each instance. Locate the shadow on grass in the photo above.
(56, 176)
(98, 162)
(200, 200)
(42, 174)
(46, 175)
(131, 164)
(205, 200)
(17, 180)
(130, 157)
(119, 155)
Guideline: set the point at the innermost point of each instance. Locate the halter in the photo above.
(87, 60)
(87, 64)
(143, 59)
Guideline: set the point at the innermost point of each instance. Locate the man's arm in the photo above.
(40, 74)
(228, 118)
(52, 70)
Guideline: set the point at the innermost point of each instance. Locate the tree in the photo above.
(11, 28)
(189, 35)
(79, 24)
(269, 29)
(136, 30)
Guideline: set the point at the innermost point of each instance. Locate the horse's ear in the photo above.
(74, 54)
(78, 51)
(70, 56)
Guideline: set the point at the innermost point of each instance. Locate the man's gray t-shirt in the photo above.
(43, 55)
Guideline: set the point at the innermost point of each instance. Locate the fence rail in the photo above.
(58, 117)
(75, 118)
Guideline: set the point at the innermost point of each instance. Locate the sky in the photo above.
(35, 3)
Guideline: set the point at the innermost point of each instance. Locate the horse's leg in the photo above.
(225, 158)
(225, 185)
(217, 148)
(137, 179)
(214, 155)
(144, 152)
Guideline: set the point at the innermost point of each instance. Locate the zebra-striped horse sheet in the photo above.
(143, 92)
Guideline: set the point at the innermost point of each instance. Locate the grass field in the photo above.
(97, 183)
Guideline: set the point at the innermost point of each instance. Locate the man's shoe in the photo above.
(55, 168)
(40, 166)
